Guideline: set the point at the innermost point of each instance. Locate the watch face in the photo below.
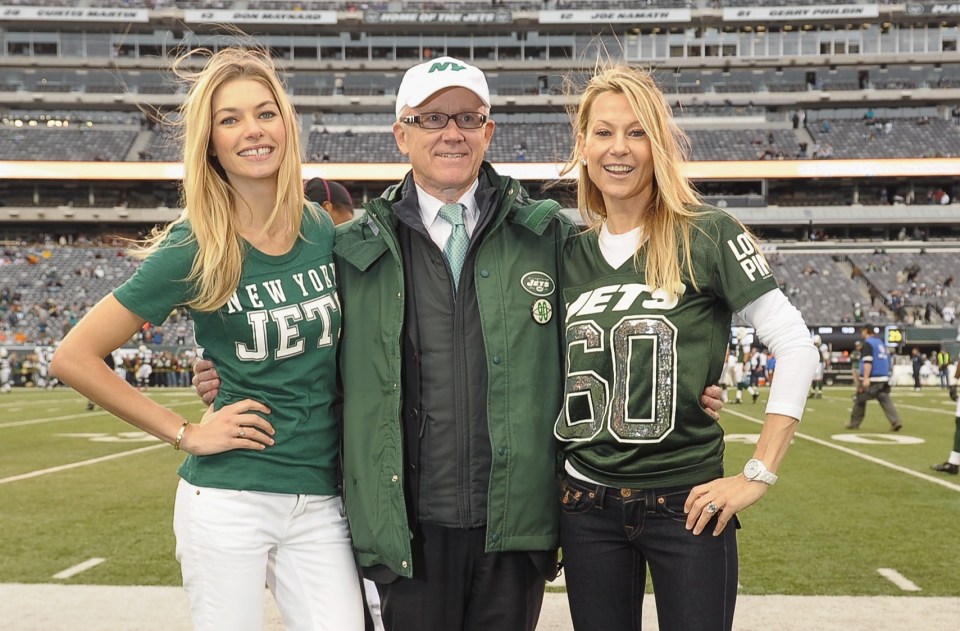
(751, 470)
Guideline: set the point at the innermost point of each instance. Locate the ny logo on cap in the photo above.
(444, 66)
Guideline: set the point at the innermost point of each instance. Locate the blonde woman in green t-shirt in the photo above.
(258, 501)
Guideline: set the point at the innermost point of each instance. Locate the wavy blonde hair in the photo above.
(667, 223)
(207, 197)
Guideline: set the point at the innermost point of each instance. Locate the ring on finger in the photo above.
(241, 433)
(712, 508)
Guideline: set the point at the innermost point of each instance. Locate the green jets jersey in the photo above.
(638, 359)
(275, 341)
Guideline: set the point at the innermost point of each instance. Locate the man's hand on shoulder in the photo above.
(206, 381)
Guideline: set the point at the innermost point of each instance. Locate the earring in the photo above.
(583, 162)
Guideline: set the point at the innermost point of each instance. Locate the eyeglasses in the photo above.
(438, 120)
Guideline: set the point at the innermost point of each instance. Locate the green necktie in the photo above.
(456, 248)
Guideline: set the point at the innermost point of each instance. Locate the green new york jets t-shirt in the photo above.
(639, 359)
(275, 341)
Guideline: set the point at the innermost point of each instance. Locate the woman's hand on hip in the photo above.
(233, 426)
(723, 498)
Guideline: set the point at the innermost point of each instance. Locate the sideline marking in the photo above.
(82, 463)
(857, 454)
(80, 567)
(70, 417)
(920, 408)
(906, 406)
(119, 437)
(898, 579)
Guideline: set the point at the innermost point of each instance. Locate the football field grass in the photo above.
(87, 499)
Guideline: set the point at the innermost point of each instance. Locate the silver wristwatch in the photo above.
(755, 470)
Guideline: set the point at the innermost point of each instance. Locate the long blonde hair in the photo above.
(208, 198)
(667, 223)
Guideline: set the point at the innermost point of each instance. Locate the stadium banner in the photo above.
(194, 16)
(73, 14)
(613, 16)
(917, 8)
(796, 13)
(425, 17)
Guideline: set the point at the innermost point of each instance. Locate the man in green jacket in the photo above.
(451, 370)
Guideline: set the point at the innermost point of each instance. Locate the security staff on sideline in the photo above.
(873, 381)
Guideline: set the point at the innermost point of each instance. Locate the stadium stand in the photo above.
(79, 143)
(770, 99)
(46, 288)
(890, 138)
(820, 285)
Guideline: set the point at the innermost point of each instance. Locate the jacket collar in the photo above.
(362, 241)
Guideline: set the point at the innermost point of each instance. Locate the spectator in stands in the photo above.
(643, 212)
(181, 332)
(949, 313)
(332, 196)
(245, 225)
(873, 381)
(952, 464)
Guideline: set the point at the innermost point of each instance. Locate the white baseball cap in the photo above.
(426, 79)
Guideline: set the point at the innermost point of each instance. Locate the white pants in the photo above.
(231, 543)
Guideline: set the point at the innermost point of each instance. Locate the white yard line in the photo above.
(78, 568)
(21, 403)
(70, 417)
(82, 463)
(898, 579)
(857, 454)
(46, 419)
(920, 408)
(901, 404)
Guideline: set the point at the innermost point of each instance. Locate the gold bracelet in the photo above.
(176, 443)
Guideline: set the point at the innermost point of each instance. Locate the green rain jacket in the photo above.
(516, 283)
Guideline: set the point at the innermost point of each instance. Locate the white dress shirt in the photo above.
(440, 229)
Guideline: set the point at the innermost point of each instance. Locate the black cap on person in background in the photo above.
(319, 190)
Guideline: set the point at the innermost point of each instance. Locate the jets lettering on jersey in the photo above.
(622, 297)
(751, 261)
(270, 304)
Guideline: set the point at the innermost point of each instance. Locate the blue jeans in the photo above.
(609, 536)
